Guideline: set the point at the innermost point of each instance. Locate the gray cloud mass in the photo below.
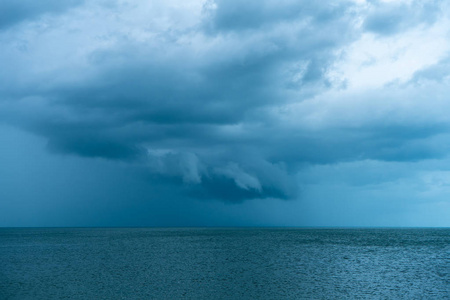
(225, 100)
(14, 12)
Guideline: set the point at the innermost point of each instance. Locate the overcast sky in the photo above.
(224, 113)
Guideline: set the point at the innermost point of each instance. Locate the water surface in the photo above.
(205, 263)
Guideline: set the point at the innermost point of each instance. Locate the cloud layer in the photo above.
(229, 100)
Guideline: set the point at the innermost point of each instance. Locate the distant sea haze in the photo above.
(224, 263)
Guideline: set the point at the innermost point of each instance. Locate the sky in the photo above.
(224, 113)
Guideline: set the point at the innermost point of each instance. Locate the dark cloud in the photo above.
(14, 12)
(438, 72)
(388, 18)
(196, 106)
(224, 188)
(255, 15)
(89, 145)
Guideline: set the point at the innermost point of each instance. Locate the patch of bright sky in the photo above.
(373, 61)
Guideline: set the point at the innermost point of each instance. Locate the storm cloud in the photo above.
(229, 100)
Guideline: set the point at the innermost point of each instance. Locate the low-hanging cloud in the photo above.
(224, 99)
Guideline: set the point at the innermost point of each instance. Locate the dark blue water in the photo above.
(224, 263)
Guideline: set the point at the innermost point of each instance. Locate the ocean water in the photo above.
(205, 263)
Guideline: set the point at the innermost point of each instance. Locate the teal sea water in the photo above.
(205, 263)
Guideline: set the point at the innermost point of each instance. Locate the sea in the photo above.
(224, 263)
